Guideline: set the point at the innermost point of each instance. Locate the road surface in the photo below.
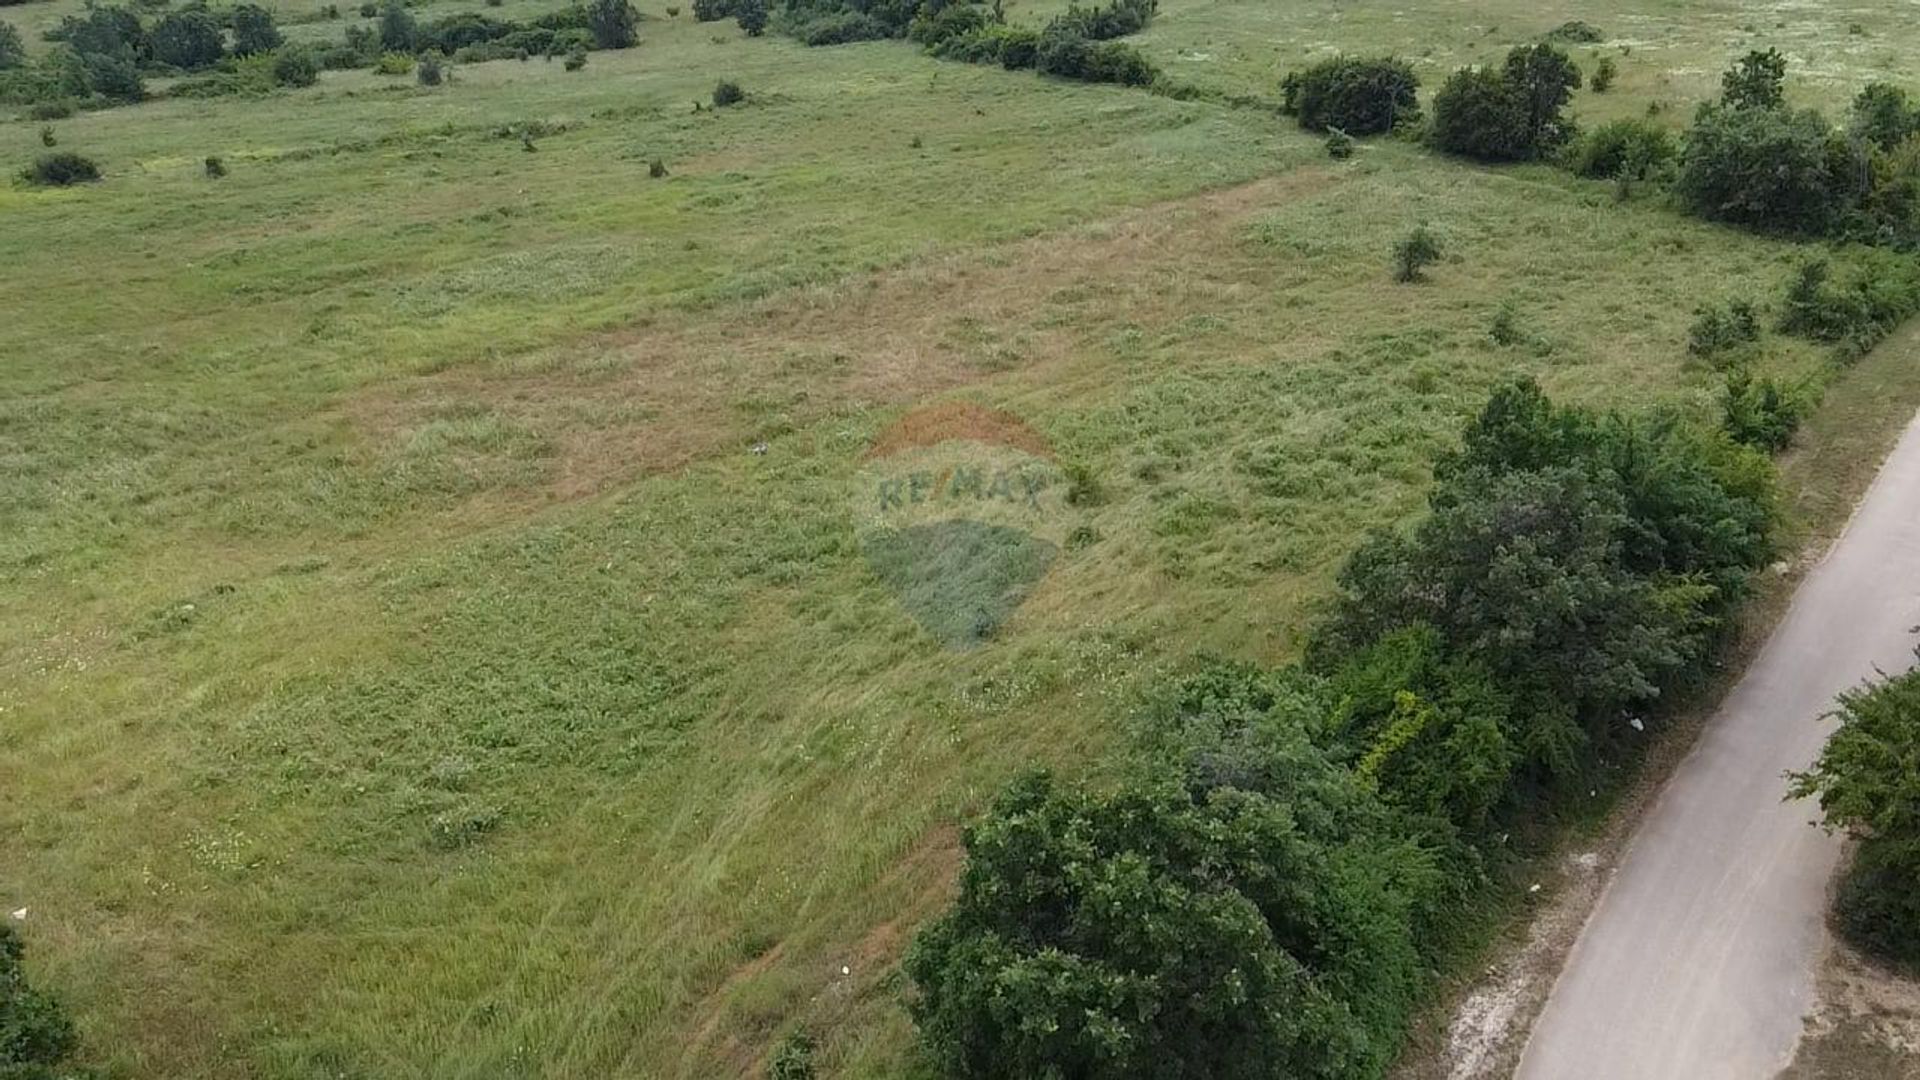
(1698, 963)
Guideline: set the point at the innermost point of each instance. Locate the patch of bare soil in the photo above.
(1867, 1026)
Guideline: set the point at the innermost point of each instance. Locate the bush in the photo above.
(1069, 56)
(35, 1034)
(840, 29)
(792, 1058)
(952, 21)
(1359, 97)
(727, 93)
(187, 40)
(751, 15)
(1759, 412)
(393, 63)
(295, 67)
(254, 31)
(712, 10)
(1249, 928)
(1576, 32)
(1117, 19)
(1867, 786)
(657, 169)
(13, 51)
(429, 72)
(57, 109)
(1884, 116)
(1879, 291)
(576, 59)
(1417, 250)
(1717, 329)
(61, 170)
(399, 30)
(1544, 79)
(1757, 81)
(1768, 169)
(215, 168)
(1631, 148)
(1339, 145)
(615, 24)
(1476, 115)
(113, 77)
(1604, 73)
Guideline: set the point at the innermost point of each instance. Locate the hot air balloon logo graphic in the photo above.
(959, 508)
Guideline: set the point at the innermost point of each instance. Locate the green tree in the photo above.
(1768, 168)
(187, 39)
(1868, 783)
(399, 31)
(1476, 115)
(1884, 115)
(1757, 81)
(13, 51)
(1543, 78)
(613, 23)
(752, 16)
(1358, 97)
(254, 30)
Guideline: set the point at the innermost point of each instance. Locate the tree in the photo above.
(399, 31)
(1417, 250)
(1476, 115)
(295, 67)
(1544, 79)
(1359, 97)
(1768, 168)
(13, 51)
(187, 39)
(1757, 81)
(254, 31)
(752, 16)
(613, 23)
(1882, 115)
(1230, 933)
(1868, 783)
(106, 30)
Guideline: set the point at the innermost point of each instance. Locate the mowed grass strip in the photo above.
(408, 668)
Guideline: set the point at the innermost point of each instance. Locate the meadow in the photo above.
(434, 639)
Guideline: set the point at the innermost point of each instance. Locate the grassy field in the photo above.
(407, 665)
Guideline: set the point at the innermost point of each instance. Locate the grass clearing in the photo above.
(408, 668)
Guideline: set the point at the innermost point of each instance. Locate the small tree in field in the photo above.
(1868, 784)
(613, 23)
(1413, 254)
(253, 30)
(752, 16)
(1758, 81)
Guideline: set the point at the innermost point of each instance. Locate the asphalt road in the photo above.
(1698, 962)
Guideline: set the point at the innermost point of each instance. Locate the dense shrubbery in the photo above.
(1513, 113)
(1298, 847)
(1868, 785)
(61, 170)
(1359, 97)
(1716, 328)
(1759, 412)
(13, 51)
(1118, 19)
(1876, 291)
(36, 1038)
(1630, 148)
(1768, 168)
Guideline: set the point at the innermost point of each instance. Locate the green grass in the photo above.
(406, 667)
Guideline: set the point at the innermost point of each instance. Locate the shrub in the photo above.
(429, 72)
(1417, 250)
(57, 109)
(1117, 19)
(295, 67)
(840, 29)
(13, 51)
(1019, 48)
(47, 137)
(1359, 97)
(1254, 923)
(712, 10)
(751, 15)
(61, 170)
(113, 77)
(1768, 169)
(1883, 115)
(393, 63)
(614, 23)
(657, 169)
(673, 12)
(1867, 786)
(215, 168)
(1759, 412)
(1544, 79)
(254, 31)
(726, 93)
(1717, 329)
(1476, 115)
(1070, 56)
(576, 59)
(792, 1058)
(1604, 73)
(1576, 32)
(952, 21)
(187, 40)
(399, 30)
(1757, 81)
(1879, 291)
(1631, 147)
(35, 1035)
(1339, 145)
